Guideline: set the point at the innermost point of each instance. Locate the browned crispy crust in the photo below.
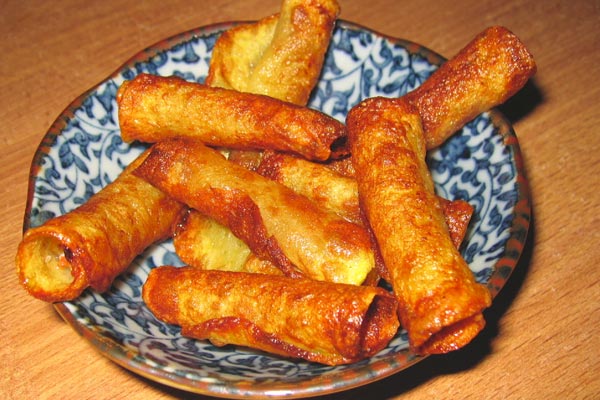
(246, 158)
(342, 165)
(440, 304)
(257, 265)
(277, 224)
(325, 187)
(317, 321)
(154, 108)
(337, 193)
(485, 73)
(94, 243)
(457, 214)
(237, 51)
(279, 56)
(290, 66)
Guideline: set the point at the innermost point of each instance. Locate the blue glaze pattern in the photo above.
(83, 152)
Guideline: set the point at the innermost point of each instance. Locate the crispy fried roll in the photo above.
(279, 56)
(94, 243)
(301, 318)
(237, 51)
(291, 65)
(440, 304)
(276, 223)
(153, 108)
(322, 185)
(202, 242)
(276, 56)
(339, 194)
(485, 73)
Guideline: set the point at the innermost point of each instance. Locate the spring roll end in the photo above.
(159, 297)
(453, 337)
(448, 320)
(381, 324)
(48, 269)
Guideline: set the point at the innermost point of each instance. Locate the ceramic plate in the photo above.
(83, 151)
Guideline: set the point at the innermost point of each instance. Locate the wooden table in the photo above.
(541, 341)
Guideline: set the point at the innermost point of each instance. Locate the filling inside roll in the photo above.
(50, 266)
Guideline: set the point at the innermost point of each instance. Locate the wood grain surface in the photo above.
(541, 341)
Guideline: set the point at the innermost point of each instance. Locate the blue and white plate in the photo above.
(83, 151)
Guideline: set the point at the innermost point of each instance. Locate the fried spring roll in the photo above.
(339, 194)
(485, 73)
(91, 245)
(301, 318)
(283, 49)
(279, 56)
(291, 64)
(276, 223)
(153, 108)
(440, 304)
(202, 242)
(237, 51)
(322, 185)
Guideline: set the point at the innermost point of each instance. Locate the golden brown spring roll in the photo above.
(291, 64)
(440, 304)
(202, 242)
(91, 245)
(301, 318)
(154, 108)
(322, 185)
(339, 194)
(485, 73)
(289, 52)
(237, 51)
(277, 224)
(279, 56)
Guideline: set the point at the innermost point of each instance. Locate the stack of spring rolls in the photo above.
(287, 219)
